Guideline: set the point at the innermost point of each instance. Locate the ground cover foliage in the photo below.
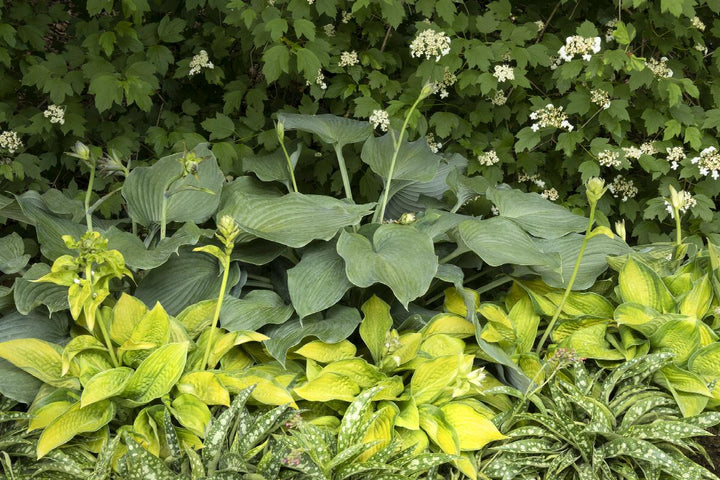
(329, 240)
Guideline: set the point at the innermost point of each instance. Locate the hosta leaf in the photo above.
(145, 187)
(192, 413)
(12, 258)
(153, 330)
(414, 161)
(127, 313)
(157, 374)
(323, 352)
(74, 421)
(474, 430)
(375, 325)
(105, 384)
(351, 425)
(293, 219)
(39, 358)
(255, 310)
(589, 342)
(448, 324)
(499, 241)
(680, 336)
(435, 424)
(387, 259)
(267, 389)
(273, 166)
(77, 345)
(645, 320)
(205, 386)
(29, 295)
(327, 387)
(432, 377)
(137, 256)
(197, 317)
(318, 281)
(697, 301)
(689, 389)
(330, 128)
(637, 283)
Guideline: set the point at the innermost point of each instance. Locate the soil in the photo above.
(712, 446)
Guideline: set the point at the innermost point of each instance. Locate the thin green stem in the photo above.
(290, 167)
(218, 306)
(163, 216)
(380, 214)
(678, 228)
(494, 284)
(108, 342)
(102, 199)
(88, 195)
(343, 171)
(450, 256)
(568, 289)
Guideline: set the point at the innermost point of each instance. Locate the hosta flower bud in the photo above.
(227, 229)
(280, 128)
(595, 189)
(620, 229)
(81, 151)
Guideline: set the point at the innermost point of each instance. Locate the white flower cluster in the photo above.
(430, 43)
(540, 25)
(675, 155)
(709, 162)
(504, 73)
(686, 203)
(380, 118)
(701, 48)
(623, 188)
(697, 23)
(200, 61)
(499, 98)
(577, 45)
(659, 68)
(319, 80)
(609, 28)
(10, 141)
(448, 81)
(550, 116)
(348, 59)
(632, 152)
(551, 194)
(346, 16)
(600, 97)
(55, 113)
(310, 2)
(532, 178)
(329, 30)
(609, 158)
(488, 159)
(434, 146)
(648, 148)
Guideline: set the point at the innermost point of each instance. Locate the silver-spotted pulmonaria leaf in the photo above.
(318, 281)
(138, 256)
(184, 279)
(330, 128)
(140, 464)
(337, 324)
(499, 241)
(219, 428)
(145, 187)
(255, 310)
(415, 161)
(273, 166)
(12, 258)
(536, 215)
(29, 295)
(398, 256)
(293, 219)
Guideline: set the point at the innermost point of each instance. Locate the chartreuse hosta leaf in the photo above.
(448, 324)
(105, 384)
(77, 345)
(40, 359)
(455, 302)
(44, 415)
(388, 259)
(679, 335)
(380, 431)
(74, 421)
(192, 413)
(327, 352)
(127, 313)
(697, 301)
(205, 386)
(375, 326)
(474, 429)
(431, 378)
(350, 430)
(270, 388)
(157, 374)
(151, 331)
(689, 389)
(638, 283)
(442, 434)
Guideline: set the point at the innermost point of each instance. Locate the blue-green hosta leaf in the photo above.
(139, 257)
(330, 128)
(437, 222)
(338, 323)
(184, 279)
(145, 187)
(398, 256)
(255, 310)
(29, 295)
(415, 161)
(499, 240)
(536, 215)
(593, 263)
(273, 166)
(318, 281)
(12, 258)
(293, 219)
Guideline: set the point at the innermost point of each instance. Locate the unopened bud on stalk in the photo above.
(227, 230)
(81, 151)
(427, 90)
(595, 189)
(620, 229)
(280, 131)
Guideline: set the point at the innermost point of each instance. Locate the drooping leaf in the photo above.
(138, 256)
(74, 421)
(274, 166)
(330, 128)
(29, 295)
(255, 310)
(106, 384)
(12, 256)
(414, 161)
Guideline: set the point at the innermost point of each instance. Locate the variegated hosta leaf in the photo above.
(375, 326)
(74, 421)
(39, 358)
(157, 374)
(638, 283)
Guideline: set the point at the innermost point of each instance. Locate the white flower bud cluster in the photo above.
(346, 16)
(550, 194)
(55, 113)
(348, 59)
(577, 45)
(200, 61)
(686, 203)
(434, 146)
(504, 73)
(648, 148)
(675, 155)
(659, 68)
(319, 80)
(709, 162)
(609, 158)
(329, 30)
(488, 159)
(697, 23)
(532, 178)
(10, 141)
(429, 44)
(609, 28)
(600, 97)
(448, 81)
(380, 119)
(632, 152)
(550, 116)
(623, 188)
(499, 98)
